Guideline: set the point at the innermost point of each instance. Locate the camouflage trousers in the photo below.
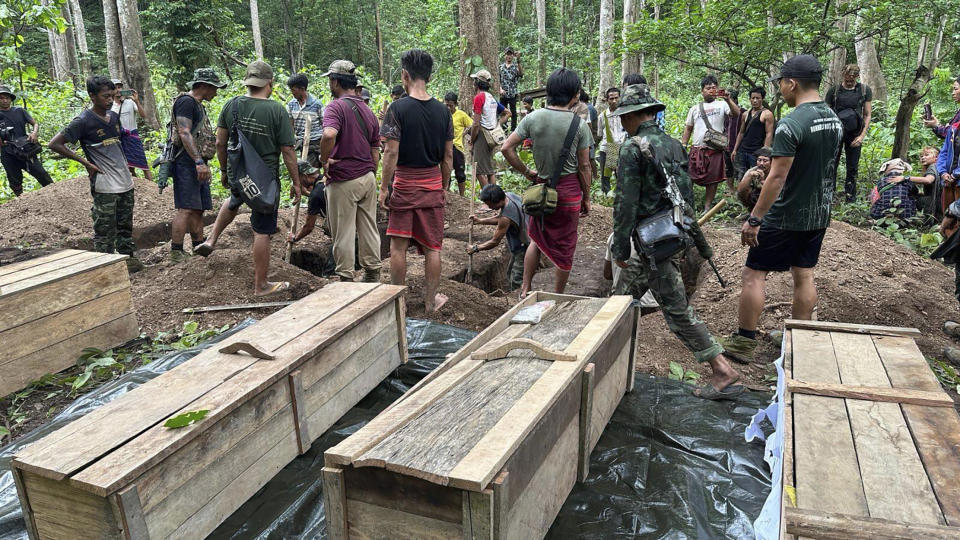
(113, 222)
(515, 270)
(666, 285)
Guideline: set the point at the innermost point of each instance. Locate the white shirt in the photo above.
(648, 299)
(717, 111)
(128, 113)
(616, 129)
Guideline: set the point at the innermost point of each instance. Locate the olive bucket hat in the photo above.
(4, 89)
(637, 97)
(206, 76)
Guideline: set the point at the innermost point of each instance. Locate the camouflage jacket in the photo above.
(640, 190)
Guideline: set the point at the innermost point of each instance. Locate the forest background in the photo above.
(907, 51)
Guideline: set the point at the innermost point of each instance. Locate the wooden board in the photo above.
(827, 326)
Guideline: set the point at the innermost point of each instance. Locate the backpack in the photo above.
(851, 119)
(250, 178)
(203, 135)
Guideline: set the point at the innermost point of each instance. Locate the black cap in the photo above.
(802, 66)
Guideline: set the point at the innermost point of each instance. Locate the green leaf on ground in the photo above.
(185, 419)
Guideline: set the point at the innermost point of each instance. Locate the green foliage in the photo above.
(185, 419)
(946, 373)
(678, 373)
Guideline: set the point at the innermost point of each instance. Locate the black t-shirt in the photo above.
(317, 203)
(755, 133)
(423, 129)
(17, 118)
(850, 99)
(186, 106)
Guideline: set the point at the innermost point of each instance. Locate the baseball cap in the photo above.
(116, 81)
(259, 74)
(365, 94)
(801, 66)
(341, 67)
(483, 75)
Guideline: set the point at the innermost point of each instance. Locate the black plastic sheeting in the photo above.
(669, 465)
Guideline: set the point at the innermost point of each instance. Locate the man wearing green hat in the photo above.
(640, 193)
(194, 146)
(13, 131)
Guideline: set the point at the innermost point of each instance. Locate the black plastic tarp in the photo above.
(669, 465)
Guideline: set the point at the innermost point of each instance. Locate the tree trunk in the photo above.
(916, 91)
(135, 59)
(255, 27)
(606, 45)
(478, 29)
(541, 6)
(632, 61)
(376, 16)
(59, 53)
(870, 72)
(285, 13)
(80, 34)
(656, 68)
(111, 29)
(513, 10)
(71, 41)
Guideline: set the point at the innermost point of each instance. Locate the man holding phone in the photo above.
(126, 103)
(704, 126)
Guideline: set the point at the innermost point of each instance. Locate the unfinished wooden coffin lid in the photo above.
(111, 446)
(469, 456)
(22, 276)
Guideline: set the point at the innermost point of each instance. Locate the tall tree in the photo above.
(136, 72)
(111, 30)
(632, 61)
(255, 28)
(838, 57)
(606, 45)
(376, 15)
(928, 59)
(60, 50)
(870, 72)
(541, 7)
(80, 34)
(478, 32)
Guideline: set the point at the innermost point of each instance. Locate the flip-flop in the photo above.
(274, 288)
(708, 391)
(203, 249)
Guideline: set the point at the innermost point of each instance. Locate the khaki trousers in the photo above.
(352, 213)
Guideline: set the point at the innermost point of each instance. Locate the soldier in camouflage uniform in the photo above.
(640, 194)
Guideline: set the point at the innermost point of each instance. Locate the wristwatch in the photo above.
(754, 221)
(199, 162)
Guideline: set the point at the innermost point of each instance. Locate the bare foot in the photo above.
(272, 287)
(723, 373)
(438, 301)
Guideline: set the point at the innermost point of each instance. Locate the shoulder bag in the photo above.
(249, 176)
(713, 138)
(540, 200)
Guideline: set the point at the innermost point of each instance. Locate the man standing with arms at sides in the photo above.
(785, 230)
(510, 74)
(13, 122)
(706, 162)
(300, 107)
(417, 161)
(350, 153)
(488, 117)
(266, 125)
(97, 129)
(461, 121)
(756, 131)
(611, 135)
(852, 101)
(195, 144)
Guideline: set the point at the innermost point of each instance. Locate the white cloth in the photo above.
(488, 115)
(648, 300)
(616, 129)
(128, 114)
(717, 111)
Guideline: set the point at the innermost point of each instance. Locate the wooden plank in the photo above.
(586, 415)
(36, 261)
(237, 307)
(634, 336)
(25, 504)
(335, 503)
(825, 459)
(608, 392)
(59, 510)
(501, 511)
(383, 488)
(483, 462)
(56, 327)
(85, 260)
(62, 294)
(834, 526)
(131, 514)
(478, 515)
(401, 312)
(828, 326)
(54, 275)
(62, 355)
(894, 480)
(904, 364)
(299, 413)
(504, 349)
(366, 521)
(787, 462)
(871, 393)
(377, 328)
(112, 425)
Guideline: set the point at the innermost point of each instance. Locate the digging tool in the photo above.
(304, 153)
(473, 195)
(712, 212)
(236, 307)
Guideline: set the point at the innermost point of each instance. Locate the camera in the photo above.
(6, 132)
(126, 93)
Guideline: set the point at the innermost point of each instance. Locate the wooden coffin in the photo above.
(490, 444)
(872, 442)
(53, 307)
(119, 473)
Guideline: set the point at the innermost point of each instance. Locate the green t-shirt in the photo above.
(264, 122)
(547, 128)
(810, 134)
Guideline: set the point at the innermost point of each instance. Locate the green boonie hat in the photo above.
(340, 67)
(206, 76)
(259, 74)
(4, 89)
(305, 167)
(637, 97)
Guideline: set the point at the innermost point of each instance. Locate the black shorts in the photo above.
(260, 223)
(781, 250)
(188, 192)
(459, 161)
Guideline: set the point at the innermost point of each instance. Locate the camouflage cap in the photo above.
(637, 97)
(4, 89)
(206, 76)
(304, 167)
(341, 67)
